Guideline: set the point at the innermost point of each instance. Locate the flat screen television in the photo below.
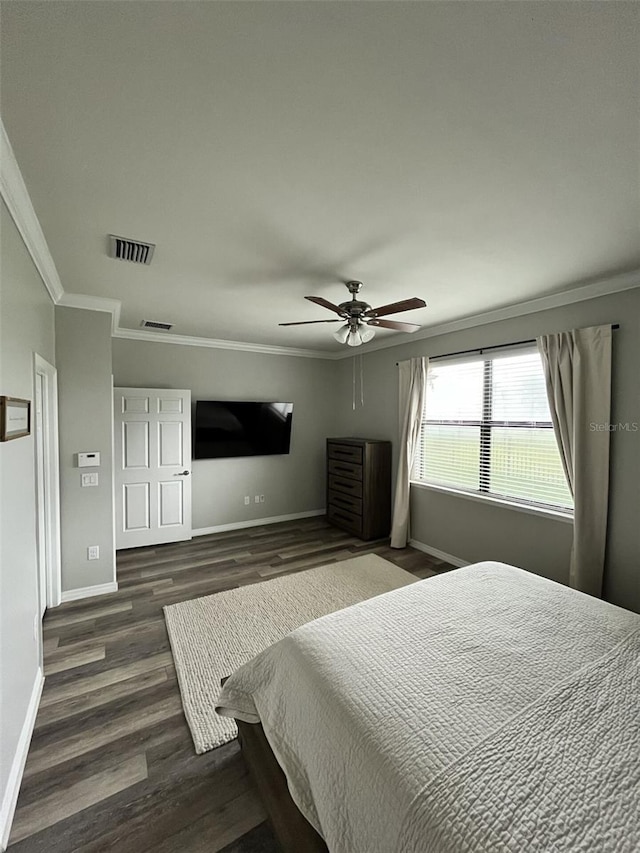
(227, 428)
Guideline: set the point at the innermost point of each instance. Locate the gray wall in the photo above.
(26, 326)
(471, 531)
(83, 356)
(290, 484)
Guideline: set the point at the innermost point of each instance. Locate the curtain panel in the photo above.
(412, 377)
(577, 367)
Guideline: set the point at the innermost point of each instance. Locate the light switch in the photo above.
(88, 480)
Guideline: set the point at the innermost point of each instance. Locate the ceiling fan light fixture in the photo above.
(342, 334)
(354, 338)
(367, 333)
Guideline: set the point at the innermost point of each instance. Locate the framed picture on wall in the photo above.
(15, 418)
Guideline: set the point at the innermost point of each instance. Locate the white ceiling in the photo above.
(472, 154)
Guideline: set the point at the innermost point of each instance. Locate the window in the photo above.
(486, 428)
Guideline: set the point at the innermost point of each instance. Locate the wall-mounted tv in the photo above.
(227, 428)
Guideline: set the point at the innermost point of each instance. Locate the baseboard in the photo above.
(89, 591)
(435, 552)
(256, 522)
(19, 760)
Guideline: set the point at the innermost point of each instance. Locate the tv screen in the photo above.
(225, 428)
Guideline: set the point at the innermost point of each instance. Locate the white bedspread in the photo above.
(483, 710)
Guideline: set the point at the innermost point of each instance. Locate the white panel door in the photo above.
(152, 440)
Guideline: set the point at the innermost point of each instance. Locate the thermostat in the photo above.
(89, 460)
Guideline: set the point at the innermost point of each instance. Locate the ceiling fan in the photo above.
(360, 318)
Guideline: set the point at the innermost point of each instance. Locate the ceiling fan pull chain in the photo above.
(353, 404)
(361, 382)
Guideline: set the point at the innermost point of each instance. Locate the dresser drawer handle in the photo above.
(341, 515)
(344, 501)
(338, 468)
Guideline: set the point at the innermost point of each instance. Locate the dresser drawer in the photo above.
(346, 452)
(343, 501)
(347, 487)
(345, 469)
(345, 519)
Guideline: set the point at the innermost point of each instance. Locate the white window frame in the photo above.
(486, 425)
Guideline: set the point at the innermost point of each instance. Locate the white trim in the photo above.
(436, 552)
(256, 522)
(89, 591)
(16, 197)
(244, 346)
(52, 497)
(556, 515)
(113, 484)
(19, 760)
(94, 303)
(581, 293)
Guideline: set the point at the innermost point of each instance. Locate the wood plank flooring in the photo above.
(112, 765)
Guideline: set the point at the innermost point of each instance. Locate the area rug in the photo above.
(212, 636)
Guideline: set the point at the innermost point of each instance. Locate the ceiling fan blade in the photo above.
(396, 307)
(394, 324)
(308, 322)
(326, 304)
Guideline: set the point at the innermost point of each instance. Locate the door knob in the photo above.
(182, 474)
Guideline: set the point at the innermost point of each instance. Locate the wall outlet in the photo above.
(261, 499)
(256, 499)
(247, 500)
(93, 552)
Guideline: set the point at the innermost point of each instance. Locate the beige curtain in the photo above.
(412, 375)
(577, 366)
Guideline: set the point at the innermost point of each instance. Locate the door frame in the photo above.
(51, 485)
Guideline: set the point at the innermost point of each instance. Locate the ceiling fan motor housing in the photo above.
(354, 308)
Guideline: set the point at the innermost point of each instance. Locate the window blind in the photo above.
(486, 428)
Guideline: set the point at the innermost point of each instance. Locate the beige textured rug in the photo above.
(212, 636)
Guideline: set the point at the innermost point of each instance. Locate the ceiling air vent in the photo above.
(155, 324)
(130, 250)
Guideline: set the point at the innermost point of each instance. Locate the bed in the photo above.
(486, 709)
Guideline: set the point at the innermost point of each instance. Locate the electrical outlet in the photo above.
(261, 499)
(247, 500)
(93, 552)
(257, 499)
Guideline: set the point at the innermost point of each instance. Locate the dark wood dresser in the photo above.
(359, 486)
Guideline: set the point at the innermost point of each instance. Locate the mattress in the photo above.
(484, 709)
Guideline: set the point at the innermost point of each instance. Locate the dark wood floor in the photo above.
(112, 765)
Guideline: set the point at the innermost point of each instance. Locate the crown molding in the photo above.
(16, 197)
(601, 287)
(213, 343)
(94, 303)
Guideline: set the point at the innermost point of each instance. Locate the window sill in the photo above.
(556, 515)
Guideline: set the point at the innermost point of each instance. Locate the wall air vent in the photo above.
(130, 250)
(157, 325)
